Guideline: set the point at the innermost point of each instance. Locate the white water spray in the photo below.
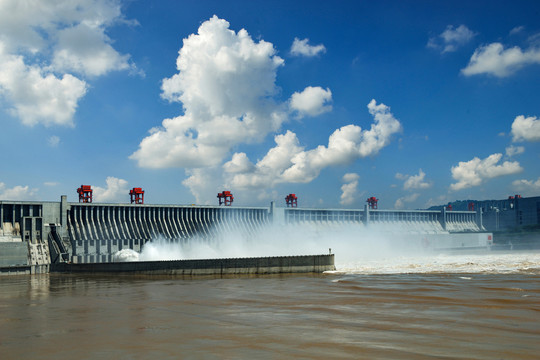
(357, 249)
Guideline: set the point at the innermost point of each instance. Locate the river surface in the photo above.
(453, 306)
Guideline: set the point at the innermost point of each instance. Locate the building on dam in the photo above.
(512, 213)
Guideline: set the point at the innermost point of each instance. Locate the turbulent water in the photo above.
(426, 306)
(364, 252)
(479, 262)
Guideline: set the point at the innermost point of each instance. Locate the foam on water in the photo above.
(125, 255)
(485, 262)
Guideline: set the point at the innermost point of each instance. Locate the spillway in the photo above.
(96, 231)
(35, 234)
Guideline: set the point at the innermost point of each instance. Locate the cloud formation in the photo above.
(400, 203)
(526, 129)
(477, 171)
(53, 141)
(45, 50)
(37, 95)
(414, 181)
(116, 191)
(226, 85)
(349, 189)
(205, 183)
(451, 38)
(17, 192)
(289, 162)
(517, 30)
(302, 48)
(529, 186)
(494, 59)
(312, 101)
(514, 150)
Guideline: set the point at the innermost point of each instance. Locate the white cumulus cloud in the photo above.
(349, 189)
(414, 181)
(526, 128)
(312, 101)
(476, 171)
(238, 164)
(451, 38)
(85, 49)
(116, 191)
(269, 170)
(288, 162)
(226, 85)
(529, 186)
(43, 44)
(37, 95)
(495, 60)
(204, 184)
(302, 48)
(514, 150)
(401, 202)
(17, 192)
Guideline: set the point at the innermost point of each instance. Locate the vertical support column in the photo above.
(366, 215)
(154, 221)
(479, 220)
(174, 224)
(37, 229)
(79, 221)
(185, 220)
(63, 214)
(443, 218)
(277, 214)
(2, 218)
(141, 217)
(102, 224)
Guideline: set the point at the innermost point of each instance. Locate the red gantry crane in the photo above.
(225, 198)
(291, 200)
(137, 195)
(372, 202)
(85, 193)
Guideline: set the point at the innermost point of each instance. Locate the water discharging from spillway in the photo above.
(358, 250)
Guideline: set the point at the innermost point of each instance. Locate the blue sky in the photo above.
(415, 102)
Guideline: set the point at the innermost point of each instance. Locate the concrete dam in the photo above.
(34, 235)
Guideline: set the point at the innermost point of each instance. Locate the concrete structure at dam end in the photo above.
(36, 234)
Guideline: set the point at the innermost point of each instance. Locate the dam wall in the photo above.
(408, 221)
(53, 232)
(96, 231)
(236, 266)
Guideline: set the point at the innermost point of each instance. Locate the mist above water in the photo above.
(347, 242)
(357, 249)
